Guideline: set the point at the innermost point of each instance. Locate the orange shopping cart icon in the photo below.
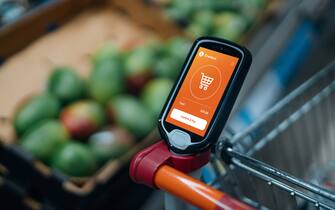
(205, 81)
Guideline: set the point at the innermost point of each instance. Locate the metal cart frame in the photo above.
(270, 164)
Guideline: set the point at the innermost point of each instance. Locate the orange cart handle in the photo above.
(194, 191)
(152, 167)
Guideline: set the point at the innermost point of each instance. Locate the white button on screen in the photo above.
(188, 119)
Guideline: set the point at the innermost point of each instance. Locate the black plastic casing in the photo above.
(226, 103)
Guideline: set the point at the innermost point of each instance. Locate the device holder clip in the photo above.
(146, 162)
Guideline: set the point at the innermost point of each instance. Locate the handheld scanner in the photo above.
(204, 94)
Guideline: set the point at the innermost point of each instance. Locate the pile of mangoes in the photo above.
(78, 124)
(228, 19)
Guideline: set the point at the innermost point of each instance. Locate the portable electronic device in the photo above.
(203, 96)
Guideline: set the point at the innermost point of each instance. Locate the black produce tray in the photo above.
(118, 192)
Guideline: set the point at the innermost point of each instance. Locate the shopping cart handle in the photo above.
(145, 164)
(194, 191)
(157, 167)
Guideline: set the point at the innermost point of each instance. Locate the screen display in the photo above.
(202, 89)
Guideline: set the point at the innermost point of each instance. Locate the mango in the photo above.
(106, 80)
(230, 26)
(74, 159)
(109, 51)
(35, 110)
(138, 66)
(110, 143)
(43, 139)
(167, 67)
(155, 94)
(131, 114)
(83, 118)
(66, 85)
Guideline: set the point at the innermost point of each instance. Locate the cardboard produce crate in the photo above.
(86, 26)
(150, 16)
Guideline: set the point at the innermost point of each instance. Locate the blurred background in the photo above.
(82, 83)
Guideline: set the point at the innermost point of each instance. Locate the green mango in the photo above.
(229, 25)
(223, 5)
(250, 8)
(138, 67)
(167, 67)
(196, 30)
(140, 60)
(66, 85)
(74, 159)
(178, 47)
(155, 94)
(200, 5)
(108, 52)
(204, 19)
(110, 143)
(35, 110)
(106, 80)
(179, 10)
(82, 118)
(132, 115)
(43, 139)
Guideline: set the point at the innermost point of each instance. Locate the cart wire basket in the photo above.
(275, 163)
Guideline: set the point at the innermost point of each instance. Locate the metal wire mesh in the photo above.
(274, 159)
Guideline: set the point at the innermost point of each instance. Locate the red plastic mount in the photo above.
(145, 163)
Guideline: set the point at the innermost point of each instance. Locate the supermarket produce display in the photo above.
(228, 19)
(101, 123)
(74, 135)
(78, 124)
